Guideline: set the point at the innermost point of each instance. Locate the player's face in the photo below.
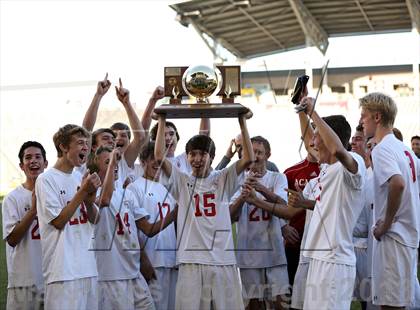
(415, 146)
(105, 139)
(33, 163)
(77, 151)
(358, 143)
(121, 141)
(200, 162)
(320, 147)
(260, 155)
(367, 119)
(151, 169)
(103, 162)
(170, 141)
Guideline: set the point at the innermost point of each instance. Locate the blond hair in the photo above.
(381, 103)
(64, 134)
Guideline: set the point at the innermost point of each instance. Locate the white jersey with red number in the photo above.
(65, 253)
(339, 201)
(259, 237)
(158, 202)
(391, 157)
(204, 233)
(24, 265)
(115, 242)
(181, 162)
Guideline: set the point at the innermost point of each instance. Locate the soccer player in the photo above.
(259, 249)
(122, 133)
(116, 244)
(66, 209)
(396, 196)
(235, 146)
(415, 145)
(337, 206)
(25, 287)
(161, 249)
(208, 277)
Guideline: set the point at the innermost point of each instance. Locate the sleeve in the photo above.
(308, 190)
(10, 215)
(230, 180)
(173, 182)
(272, 166)
(223, 163)
(356, 180)
(137, 208)
(48, 203)
(280, 183)
(384, 164)
(235, 196)
(362, 226)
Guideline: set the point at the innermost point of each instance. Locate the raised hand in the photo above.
(158, 93)
(103, 86)
(123, 94)
(90, 182)
(231, 149)
(295, 199)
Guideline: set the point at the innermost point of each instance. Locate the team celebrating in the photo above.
(121, 222)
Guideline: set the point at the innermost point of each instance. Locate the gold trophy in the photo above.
(201, 82)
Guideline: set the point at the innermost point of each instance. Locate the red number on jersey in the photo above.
(413, 171)
(34, 232)
(255, 218)
(120, 230)
(83, 217)
(162, 206)
(209, 207)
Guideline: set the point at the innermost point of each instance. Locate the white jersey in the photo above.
(361, 230)
(391, 157)
(259, 237)
(204, 234)
(65, 252)
(24, 265)
(156, 200)
(181, 162)
(115, 242)
(339, 201)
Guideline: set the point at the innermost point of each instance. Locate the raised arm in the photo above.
(247, 152)
(151, 229)
(160, 149)
(91, 114)
(108, 185)
(204, 127)
(134, 147)
(329, 137)
(146, 119)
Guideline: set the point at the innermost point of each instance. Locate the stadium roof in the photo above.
(252, 28)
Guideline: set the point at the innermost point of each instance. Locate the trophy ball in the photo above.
(200, 82)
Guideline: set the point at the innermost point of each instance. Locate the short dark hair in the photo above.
(201, 142)
(341, 127)
(122, 126)
(263, 141)
(64, 134)
(398, 134)
(414, 137)
(148, 151)
(359, 128)
(29, 144)
(153, 131)
(97, 132)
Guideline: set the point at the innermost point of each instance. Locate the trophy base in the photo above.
(198, 110)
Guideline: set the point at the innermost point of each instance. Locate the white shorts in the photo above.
(208, 287)
(362, 286)
(393, 273)
(28, 298)
(125, 294)
(164, 287)
(298, 293)
(329, 286)
(74, 294)
(264, 283)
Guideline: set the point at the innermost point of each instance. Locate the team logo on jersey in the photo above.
(313, 174)
(62, 192)
(150, 194)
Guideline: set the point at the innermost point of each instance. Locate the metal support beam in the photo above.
(259, 26)
(364, 15)
(414, 10)
(310, 26)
